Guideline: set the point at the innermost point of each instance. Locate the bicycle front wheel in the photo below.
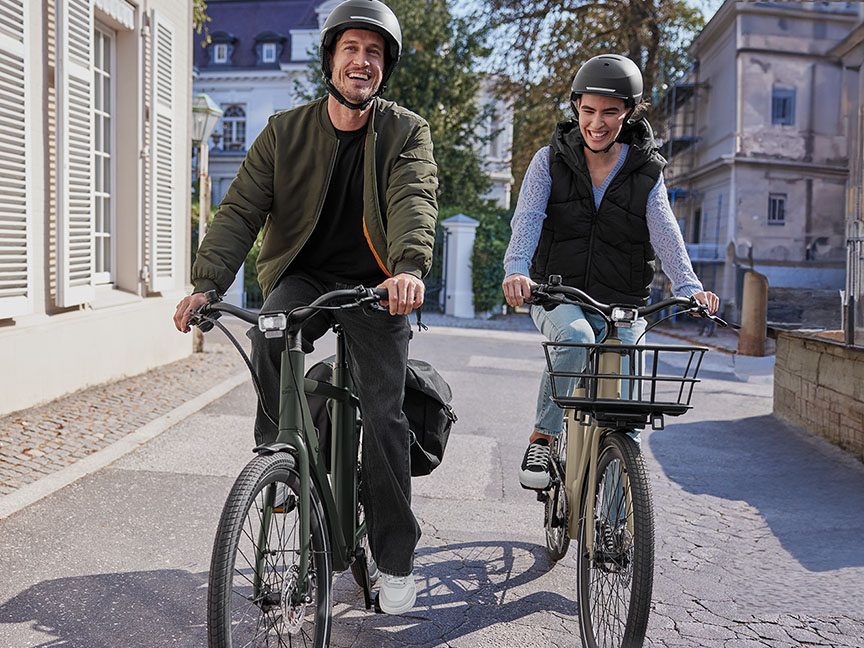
(615, 579)
(255, 596)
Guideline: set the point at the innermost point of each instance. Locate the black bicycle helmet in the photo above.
(373, 15)
(610, 75)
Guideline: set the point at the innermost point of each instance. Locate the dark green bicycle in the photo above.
(287, 525)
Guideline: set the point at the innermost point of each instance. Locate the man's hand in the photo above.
(185, 308)
(405, 293)
(517, 288)
(711, 300)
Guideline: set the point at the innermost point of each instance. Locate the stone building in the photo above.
(95, 107)
(759, 153)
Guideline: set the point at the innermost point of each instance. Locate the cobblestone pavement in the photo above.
(758, 526)
(43, 439)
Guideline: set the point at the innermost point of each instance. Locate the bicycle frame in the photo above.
(339, 493)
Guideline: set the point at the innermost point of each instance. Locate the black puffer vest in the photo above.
(607, 251)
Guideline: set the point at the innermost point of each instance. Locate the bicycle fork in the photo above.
(290, 433)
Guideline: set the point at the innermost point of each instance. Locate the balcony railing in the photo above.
(705, 252)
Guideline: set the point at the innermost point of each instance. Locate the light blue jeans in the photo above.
(569, 323)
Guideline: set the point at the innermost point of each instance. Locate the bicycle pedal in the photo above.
(542, 496)
(378, 609)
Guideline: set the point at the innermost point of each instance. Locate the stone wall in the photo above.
(819, 385)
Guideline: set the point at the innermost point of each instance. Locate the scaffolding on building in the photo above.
(678, 110)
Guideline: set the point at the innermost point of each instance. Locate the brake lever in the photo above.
(546, 301)
(701, 311)
(204, 318)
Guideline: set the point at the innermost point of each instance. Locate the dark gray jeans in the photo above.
(378, 348)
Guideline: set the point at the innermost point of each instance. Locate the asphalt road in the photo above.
(759, 527)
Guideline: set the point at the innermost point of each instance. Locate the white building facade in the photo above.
(96, 106)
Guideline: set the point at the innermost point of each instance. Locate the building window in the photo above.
(783, 106)
(777, 209)
(103, 159)
(268, 52)
(220, 53)
(233, 128)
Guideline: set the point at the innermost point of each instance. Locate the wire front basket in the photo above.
(624, 385)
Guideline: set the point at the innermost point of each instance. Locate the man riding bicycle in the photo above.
(344, 188)
(593, 209)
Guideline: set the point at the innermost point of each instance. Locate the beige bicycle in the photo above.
(599, 494)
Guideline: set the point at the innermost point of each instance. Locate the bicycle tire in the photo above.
(615, 584)
(275, 618)
(555, 513)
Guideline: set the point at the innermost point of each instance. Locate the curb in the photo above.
(33, 492)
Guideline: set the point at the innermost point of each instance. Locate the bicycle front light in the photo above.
(272, 325)
(624, 317)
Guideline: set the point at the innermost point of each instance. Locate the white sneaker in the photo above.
(397, 594)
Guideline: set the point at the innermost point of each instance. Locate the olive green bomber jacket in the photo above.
(282, 183)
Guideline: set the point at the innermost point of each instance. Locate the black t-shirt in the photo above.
(337, 250)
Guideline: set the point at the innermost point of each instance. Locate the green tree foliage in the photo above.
(199, 15)
(436, 78)
(543, 43)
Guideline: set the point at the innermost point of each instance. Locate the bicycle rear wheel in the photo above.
(254, 591)
(555, 514)
(616, 581)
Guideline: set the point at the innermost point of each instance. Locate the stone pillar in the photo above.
(754, 315)
(460, 244)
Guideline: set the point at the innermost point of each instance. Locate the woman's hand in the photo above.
(711, 300)
(517, 288)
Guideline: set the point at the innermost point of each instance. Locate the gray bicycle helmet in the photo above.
(610, 75)
(373, 15)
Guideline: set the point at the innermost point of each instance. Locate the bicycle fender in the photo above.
(273, 448)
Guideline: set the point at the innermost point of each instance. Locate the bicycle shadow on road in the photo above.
(807, 491)
(142, 609)
(490, 588)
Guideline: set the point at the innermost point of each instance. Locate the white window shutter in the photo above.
(163, 156)
(75, 152)
(16, 291)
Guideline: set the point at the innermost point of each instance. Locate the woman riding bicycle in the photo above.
(593, 209)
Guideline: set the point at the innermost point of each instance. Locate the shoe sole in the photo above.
(402, 609)
(532, 481)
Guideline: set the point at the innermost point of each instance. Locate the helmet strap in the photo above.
(349, 104)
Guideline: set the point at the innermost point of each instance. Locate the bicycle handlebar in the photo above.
(554, 292)
(296, 317)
